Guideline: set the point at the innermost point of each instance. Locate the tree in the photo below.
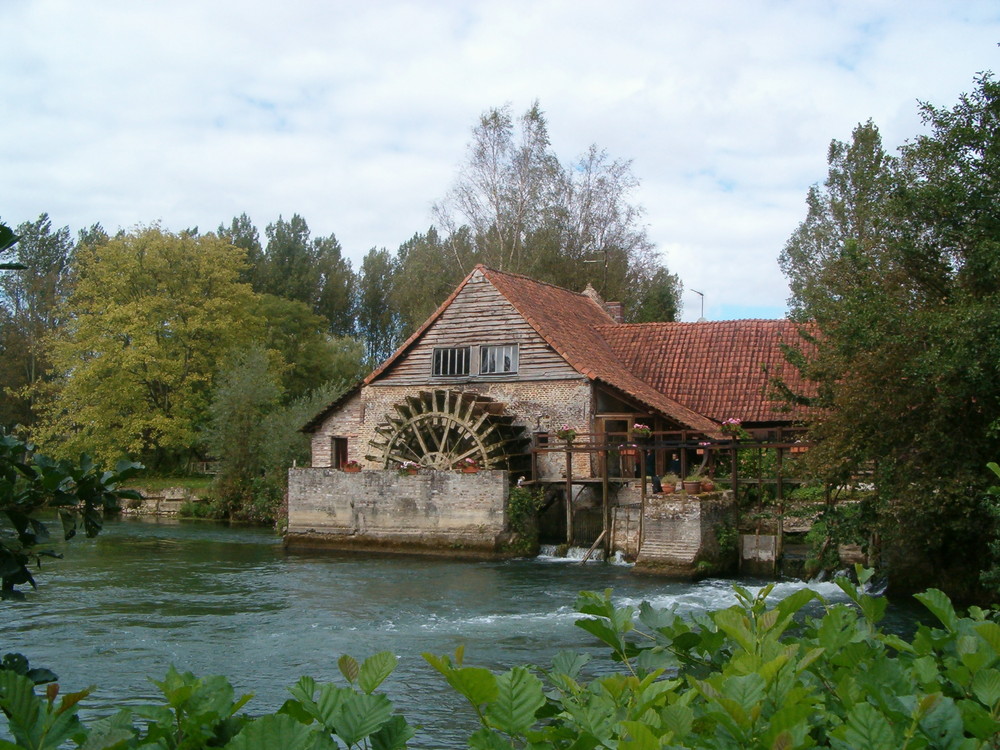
(247, 391)
(29, 304)
(312, 271)
(898, 265)
(426, 274)
(851, 208)
(504, 189)
(242, 233)
(378, 322)
(256, 434)
(150, 320)
(305, 356)
(662, 299)
(515, 207)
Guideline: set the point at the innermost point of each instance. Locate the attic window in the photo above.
(451, 362)
(498, 360)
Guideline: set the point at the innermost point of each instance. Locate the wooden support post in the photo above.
(642, 501)
(569, 496)
(606, 507)
(779, 545)
(733, 468)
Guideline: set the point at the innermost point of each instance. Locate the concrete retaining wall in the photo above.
(382, 510)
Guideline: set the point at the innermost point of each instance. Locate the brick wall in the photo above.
(346, 422)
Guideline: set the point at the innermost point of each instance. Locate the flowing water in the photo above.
(211, 599)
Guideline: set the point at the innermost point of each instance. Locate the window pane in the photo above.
(451, 362)
(498, 359)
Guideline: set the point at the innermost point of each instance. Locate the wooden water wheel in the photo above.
(438, 429)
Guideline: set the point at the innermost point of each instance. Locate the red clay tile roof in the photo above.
(571, 324)
(720, 369)
(692, 373)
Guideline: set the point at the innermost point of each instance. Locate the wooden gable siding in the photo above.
(479, 315)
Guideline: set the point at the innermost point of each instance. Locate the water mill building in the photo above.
(503, 368)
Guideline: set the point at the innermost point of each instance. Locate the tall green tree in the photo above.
(255, 433)
(505, 188)
(305, 356)
(849, 215)
(247, 390)
(29, 310)
(378, 322)
(426, 273)
(242, 233)
(898, 264)
(150, 319)
(308, 269)
(661, 300)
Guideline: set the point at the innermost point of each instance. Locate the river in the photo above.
(211, 599)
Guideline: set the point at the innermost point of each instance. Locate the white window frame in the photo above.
(498, 359)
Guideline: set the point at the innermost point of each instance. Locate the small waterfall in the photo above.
(571, 554)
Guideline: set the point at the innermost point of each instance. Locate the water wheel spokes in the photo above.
(439, 429)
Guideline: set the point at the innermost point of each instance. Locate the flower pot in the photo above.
(692, 487)
(351, 469)
(707, 485)
(469, 469)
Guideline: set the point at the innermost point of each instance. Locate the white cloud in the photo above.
(356, 115)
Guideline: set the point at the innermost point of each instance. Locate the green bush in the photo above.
(522, 515)
(212, 509)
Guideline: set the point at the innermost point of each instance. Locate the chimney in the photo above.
(616, 311)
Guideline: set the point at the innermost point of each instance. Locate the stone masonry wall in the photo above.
(385, 510)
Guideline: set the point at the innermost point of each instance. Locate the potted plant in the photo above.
(670, 482)
(351, 467)
(468, 466)
(567, 433)
(642, 431)
(408, 468)
(692, 483)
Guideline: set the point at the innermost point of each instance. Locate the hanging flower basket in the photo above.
(566, 433)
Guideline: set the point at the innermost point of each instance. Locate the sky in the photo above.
(357, 115)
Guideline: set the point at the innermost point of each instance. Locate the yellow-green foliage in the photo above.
(148, 324)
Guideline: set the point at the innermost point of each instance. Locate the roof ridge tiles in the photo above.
(549, 284)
